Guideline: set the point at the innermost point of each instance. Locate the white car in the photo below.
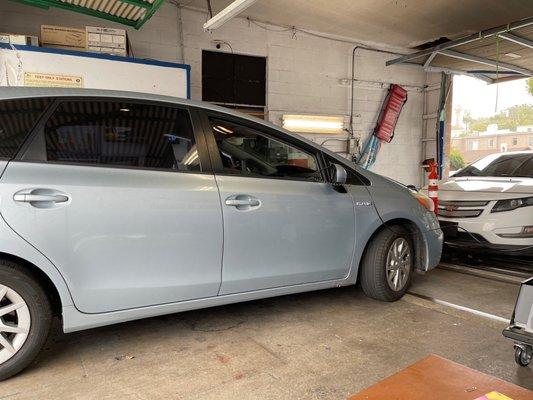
(489, 204)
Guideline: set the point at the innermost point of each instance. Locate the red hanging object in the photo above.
(390, 113)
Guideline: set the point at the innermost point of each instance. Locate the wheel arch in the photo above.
(416, 235)
(40, 277)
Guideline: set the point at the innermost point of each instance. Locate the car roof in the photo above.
(510, 153)
(7, 93)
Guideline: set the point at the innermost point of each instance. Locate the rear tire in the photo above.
(25, 328)
(387, 265)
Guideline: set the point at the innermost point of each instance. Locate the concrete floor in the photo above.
(321, 345)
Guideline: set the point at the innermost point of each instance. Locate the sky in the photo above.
(480, 98)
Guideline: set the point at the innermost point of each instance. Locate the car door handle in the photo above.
(243, 202)
(247, 202)
(30, 198)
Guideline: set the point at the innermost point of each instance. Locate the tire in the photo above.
(17, 287)
(374, 275)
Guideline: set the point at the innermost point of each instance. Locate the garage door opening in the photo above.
(489, 119)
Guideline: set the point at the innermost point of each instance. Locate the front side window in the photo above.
(245, 151)
(119, 133)
(17, 118)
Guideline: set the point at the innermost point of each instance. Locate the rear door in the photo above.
(283, 224)
(118, 194)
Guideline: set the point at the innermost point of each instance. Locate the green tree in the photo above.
(456, 160)
(510, 118)
(467, 119)
(529, 84)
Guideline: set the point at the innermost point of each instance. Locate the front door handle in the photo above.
(242, 202)
(30, 198)
(236, 202)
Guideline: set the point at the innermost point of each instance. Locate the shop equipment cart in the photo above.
(521, 328)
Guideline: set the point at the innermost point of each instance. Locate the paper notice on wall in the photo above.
(35, 79)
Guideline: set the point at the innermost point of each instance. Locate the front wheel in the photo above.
(387, 265)
(25, 317)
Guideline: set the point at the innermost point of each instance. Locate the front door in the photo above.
(116, 195)
(283, 224)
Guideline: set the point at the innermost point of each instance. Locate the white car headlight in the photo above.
(512, 204)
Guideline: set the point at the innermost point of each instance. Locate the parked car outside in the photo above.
(118, 206)
(488, 205)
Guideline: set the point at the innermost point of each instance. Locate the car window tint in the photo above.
(121, 134)
(525, 170)
(17, 118)
(501, 165)
(245, 151)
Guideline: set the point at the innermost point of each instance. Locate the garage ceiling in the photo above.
(399, 23)
(419, 24)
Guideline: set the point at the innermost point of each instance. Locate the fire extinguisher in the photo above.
(433, 187)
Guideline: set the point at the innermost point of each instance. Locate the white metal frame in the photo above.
(503, 32)
(227, 13)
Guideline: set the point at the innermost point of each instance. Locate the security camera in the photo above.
(218, 46)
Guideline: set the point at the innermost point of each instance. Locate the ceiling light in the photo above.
(228, 13)
(125, 109)
(313, 123)
(223, 130)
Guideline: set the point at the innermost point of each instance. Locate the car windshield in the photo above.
(501, 165)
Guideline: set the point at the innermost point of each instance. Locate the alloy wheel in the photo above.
(398, 264)
(15, 322)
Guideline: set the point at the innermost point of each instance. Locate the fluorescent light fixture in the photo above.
(228, 13)
(313, 123)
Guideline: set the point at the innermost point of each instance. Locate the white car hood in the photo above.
(506, 187)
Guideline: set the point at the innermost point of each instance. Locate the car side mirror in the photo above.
(338, 174)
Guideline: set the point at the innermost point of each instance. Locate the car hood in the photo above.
(509, 186)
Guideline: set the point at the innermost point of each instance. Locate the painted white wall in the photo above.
(303, 72)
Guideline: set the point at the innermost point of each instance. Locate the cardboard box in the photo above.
(13, 38)
(63, 36)
(66, 48)
(107, 40)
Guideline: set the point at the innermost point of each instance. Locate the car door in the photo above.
(283, 224)
(118, 194)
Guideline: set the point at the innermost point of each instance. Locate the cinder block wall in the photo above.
(304, 72)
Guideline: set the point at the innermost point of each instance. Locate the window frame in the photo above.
(271, 133)
(36, 123)
(34, 149)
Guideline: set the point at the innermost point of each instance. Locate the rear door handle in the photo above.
(236, 202)
(31, 198)
(242, 202)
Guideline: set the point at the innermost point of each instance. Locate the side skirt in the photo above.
(74, 320)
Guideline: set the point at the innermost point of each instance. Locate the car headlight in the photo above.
(512, 204)
(424, 200)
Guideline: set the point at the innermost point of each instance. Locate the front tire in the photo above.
(25, 317)
(387, 265)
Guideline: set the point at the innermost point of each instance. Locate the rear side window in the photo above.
(17, 118)
(117, 133)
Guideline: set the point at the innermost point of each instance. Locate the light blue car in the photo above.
(117, 206)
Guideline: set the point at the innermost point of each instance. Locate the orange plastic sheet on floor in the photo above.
(436, 378)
